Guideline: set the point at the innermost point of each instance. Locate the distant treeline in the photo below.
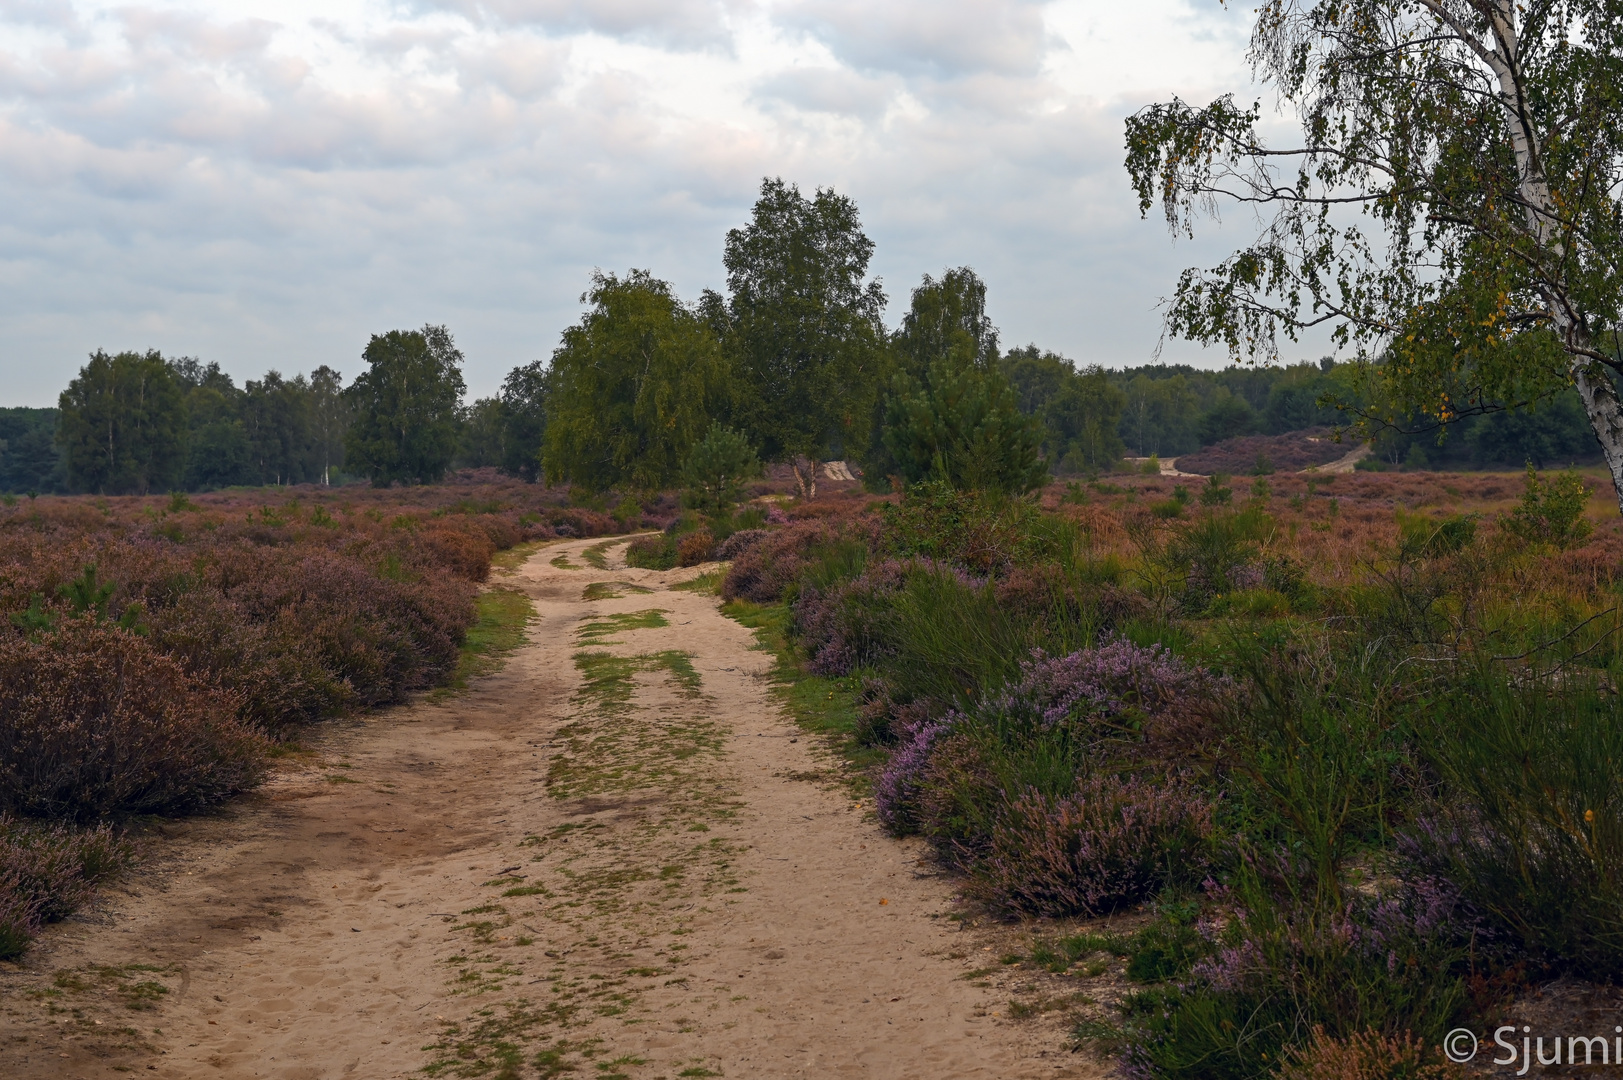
(794, 364)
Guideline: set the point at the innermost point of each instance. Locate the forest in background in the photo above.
(795, 359)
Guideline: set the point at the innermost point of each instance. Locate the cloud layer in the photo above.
(267, 184)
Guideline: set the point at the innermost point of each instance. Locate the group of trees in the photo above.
(793, 364)
(139, 422)
(796, 360)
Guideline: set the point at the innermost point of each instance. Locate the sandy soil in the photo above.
(616, 857)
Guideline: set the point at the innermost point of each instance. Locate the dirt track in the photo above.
(615, 857)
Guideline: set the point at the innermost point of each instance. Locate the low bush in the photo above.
(97, 723)
(658, 552)
(739, 542)
(1111, 843)
(846, 625)
(766, 570)
(1033, 791)
(695, 548)
(47, 872)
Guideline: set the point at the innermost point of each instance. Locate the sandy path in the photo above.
(628, 865)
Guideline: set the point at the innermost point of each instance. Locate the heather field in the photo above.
(1280, 775)
(1302, 772)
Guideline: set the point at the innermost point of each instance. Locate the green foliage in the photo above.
(1080, 412)
(483, 434)
(968, 527)
(1229, 416)
(1082, 421)
(1422, 537)
(1531, 820)
(122, 425)
(1551, 511)
(803, 325)
(946, 320)
(657, 552)
(717, 468)
(632, 388)
(1158, 414)
(1494, 283)
(524, 420)
(34, 620)
(406, 407)
(962, 428)
(29, 457)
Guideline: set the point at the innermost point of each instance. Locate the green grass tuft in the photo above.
(610, 590)
(596, 555)
(599, 630)
(501, 615)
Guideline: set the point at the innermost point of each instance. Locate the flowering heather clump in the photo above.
(1013, 793)
(1112, 843)
(47, 872)
(765, 570)
(841, 628)
(740, 542)
(97, 723)
(896, 793)
(1104, 681)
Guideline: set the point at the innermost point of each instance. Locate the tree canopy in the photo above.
(122, 424)
(962, 426)
(632, 387)
(1452, 209)
(406, 407)
(802, 323)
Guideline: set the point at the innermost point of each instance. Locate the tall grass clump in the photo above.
(1529, 821)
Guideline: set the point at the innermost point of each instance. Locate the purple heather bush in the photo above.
(841, 627)
(1112, 843)
(1018, 792)
(49, 871)
(896, 794)
(1103, 682)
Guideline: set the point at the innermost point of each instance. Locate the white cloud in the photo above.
(266, 184)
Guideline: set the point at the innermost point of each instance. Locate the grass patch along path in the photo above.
(617, 855)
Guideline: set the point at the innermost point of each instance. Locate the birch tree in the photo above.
(1451, 210)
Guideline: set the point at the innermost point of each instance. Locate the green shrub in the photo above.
(717, 467)
(1551, 511)
(653, 552)
(984, 533)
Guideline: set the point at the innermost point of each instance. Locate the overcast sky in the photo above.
(267, 183)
